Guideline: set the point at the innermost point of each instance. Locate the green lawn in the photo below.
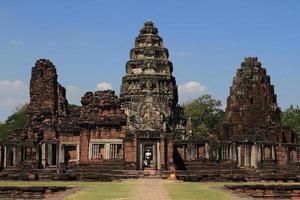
(197, 191)
(90, 190)
(121, 190)
(208, 190)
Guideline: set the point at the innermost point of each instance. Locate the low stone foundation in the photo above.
(33, 192)
(267, 191)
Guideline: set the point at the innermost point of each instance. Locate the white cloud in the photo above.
(16, 42)
(104, 86)
(190, 90)
(74, 94)
(13, 94)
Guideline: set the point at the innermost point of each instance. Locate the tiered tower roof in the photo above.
(252, 105)
(148, 82)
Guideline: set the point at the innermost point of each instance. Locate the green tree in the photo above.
(72, 107)
(205, 113)
(15, 121)
(291, 118)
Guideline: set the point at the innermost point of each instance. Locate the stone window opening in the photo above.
(98, 151)
(224, 152)
(116, 151)
(201, 151)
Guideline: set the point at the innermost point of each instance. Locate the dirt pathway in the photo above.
(149, 189)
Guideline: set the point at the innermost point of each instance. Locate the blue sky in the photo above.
(89, 42)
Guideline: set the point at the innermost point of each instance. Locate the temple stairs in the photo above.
(106, 171)
(196, 170)
(206, 170)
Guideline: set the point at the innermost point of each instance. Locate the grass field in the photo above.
(121, 190)
(196, 191)
(89, 190)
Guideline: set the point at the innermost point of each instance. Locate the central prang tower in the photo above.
(149, 91)
(149, 97)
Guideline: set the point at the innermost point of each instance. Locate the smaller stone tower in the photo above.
(252, 105)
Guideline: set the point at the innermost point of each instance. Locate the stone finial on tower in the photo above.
(149, 28)
(251, 62)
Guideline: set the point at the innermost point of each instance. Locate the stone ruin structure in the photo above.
(251, 143)
(252, 133)
(143, 132)
(149, 98)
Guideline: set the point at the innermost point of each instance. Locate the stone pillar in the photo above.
(281, 156)
(239, 152)
(273, 153)
(61, 158)
(230, 152)
(242, 155)
(254, 156)
(246, 155)
(170, 155)
(1, 157)
(14, 156)
(218, 152)
(188, 151)
(206, 150)
(84, 143)
(158, 156)
(262, 152)
(162, 153)
(78, 151)
(258, 153)
(18, 156)
(194, 151)
(141, 155)
(43, 155)
(155, 155)
(90, 150)
(234, 152)
(107, 151)
(5, 157)
(49, 154)
(131, 150)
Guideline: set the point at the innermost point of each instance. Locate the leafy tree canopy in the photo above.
(15, 121)
(205, 113)
(291, 118)
(72, 107)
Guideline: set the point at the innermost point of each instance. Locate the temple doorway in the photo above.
(53, 154)
(148, 155)
(148, 160)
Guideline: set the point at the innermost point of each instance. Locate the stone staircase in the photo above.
(206, 170)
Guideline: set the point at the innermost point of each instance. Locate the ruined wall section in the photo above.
(101, 109)
(48, 103)
(101, 120)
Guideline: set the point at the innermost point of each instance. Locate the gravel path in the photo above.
(149, 189)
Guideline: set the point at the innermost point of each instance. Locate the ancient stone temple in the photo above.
(149, 99)
(144, 132)
(252, 133)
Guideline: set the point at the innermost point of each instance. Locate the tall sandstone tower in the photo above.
(252, 124)
(252, 104)
(47, 107)
(148, 90)
(149, 96)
